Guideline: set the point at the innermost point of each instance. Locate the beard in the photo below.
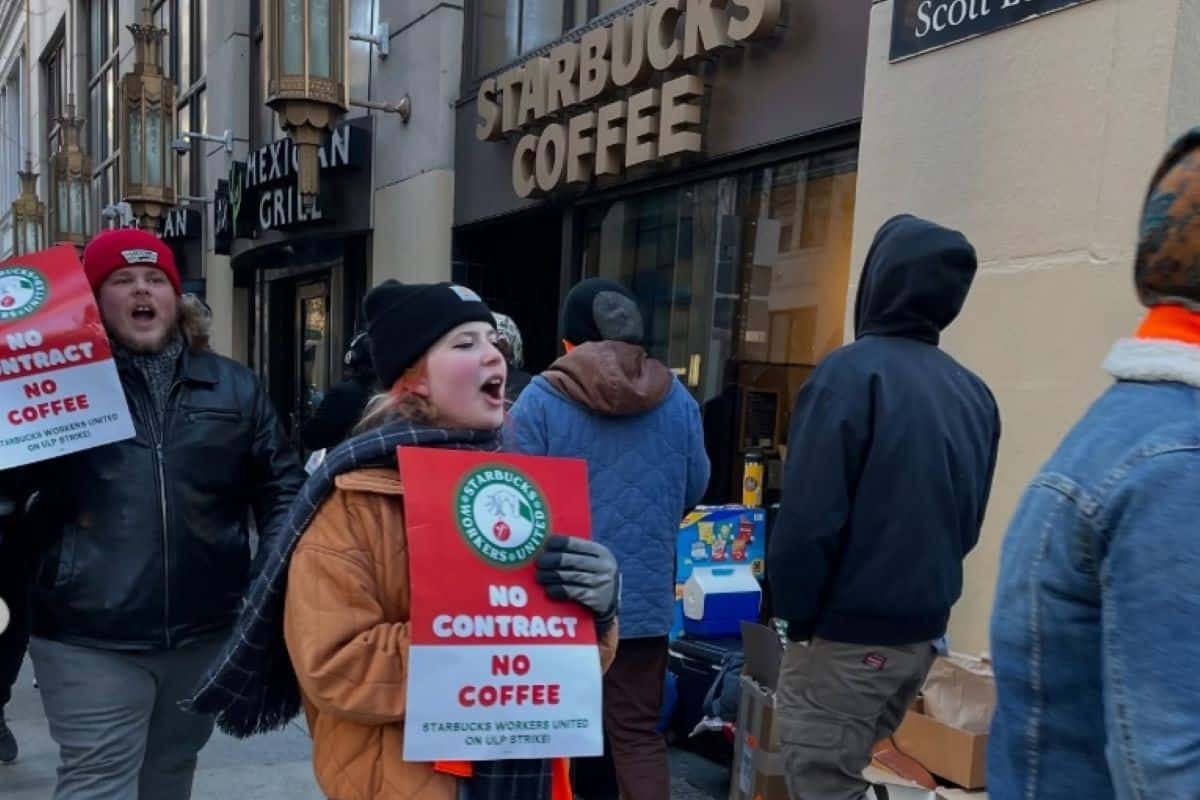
(143, 345)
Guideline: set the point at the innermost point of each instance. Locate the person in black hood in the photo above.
(891, 453)
(343, 405)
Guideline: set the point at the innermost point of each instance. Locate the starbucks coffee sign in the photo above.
(615, 100)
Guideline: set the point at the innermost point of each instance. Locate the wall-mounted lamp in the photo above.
(121, 213)
(28, 215)
(403, 108)
(70, 185)
(147, 121)
(379, 39)
(181, 146)
(305, 43)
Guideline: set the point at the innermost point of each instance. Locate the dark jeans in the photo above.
(633, 697)
(14, 589)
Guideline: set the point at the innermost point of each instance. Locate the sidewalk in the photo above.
(272, 767)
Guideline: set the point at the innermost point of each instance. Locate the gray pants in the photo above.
(116, 719)
(835, 701)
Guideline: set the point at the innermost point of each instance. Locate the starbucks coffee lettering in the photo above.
(555, 103)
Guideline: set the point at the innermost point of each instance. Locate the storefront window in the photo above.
(508, 29)
(742, 280)
(605, 6)
(541, 23)
(499, 33)
(185, 23)
(11, 156)
(103, 77)
(314, 356)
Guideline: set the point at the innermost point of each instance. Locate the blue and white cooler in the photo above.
(717, 599)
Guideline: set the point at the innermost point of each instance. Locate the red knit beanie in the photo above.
(111, 250)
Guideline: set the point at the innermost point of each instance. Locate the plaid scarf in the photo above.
(251, 688)
(509, 780)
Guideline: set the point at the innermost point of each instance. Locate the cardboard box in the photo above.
(757, 763)
(718, 536)
(950, 753)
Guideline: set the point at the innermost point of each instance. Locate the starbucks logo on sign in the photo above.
(23, 291)
(502, 515)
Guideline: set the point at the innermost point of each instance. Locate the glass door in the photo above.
(312, 351)
(742, 280)
(666, 247)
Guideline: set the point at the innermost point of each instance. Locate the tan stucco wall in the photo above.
(413, 217)
(1037, 142)
(219, 291)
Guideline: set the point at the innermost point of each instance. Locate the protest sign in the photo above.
(497, 670)
(59, 391)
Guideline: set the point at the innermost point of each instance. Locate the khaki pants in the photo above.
(835, 701)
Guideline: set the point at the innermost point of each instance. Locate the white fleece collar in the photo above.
(1154, 360)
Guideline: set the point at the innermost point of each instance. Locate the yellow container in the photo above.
(752, 480)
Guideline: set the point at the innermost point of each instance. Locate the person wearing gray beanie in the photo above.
(608, 402)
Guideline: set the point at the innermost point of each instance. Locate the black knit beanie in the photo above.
(1167, 269)
(404, 320)
(598, 310)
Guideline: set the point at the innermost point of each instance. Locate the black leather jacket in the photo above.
(144, 544)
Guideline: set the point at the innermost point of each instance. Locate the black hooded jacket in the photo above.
(338, 413)
(891, 453)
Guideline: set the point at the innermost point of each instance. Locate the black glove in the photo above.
(584, 571)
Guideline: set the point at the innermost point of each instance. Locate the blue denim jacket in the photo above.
(1096, 624)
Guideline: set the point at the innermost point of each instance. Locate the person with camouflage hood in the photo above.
(509, 342)
(1093, 632)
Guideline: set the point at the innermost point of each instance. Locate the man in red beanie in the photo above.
(137, 286)
(141, 547)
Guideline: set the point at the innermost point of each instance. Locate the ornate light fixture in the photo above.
(147, 125)
(306, 76)
(70, 184)
(28, 215)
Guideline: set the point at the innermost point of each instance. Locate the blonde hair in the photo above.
(400, 401)
(195, 321)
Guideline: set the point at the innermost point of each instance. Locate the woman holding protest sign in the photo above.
(346, 606)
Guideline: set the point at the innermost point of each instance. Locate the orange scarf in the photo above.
(560, 780)
(1175, 323)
